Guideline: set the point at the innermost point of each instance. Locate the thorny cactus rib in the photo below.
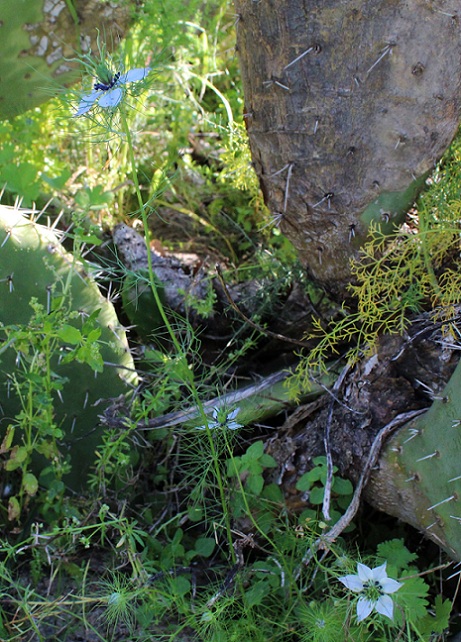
(33, 263)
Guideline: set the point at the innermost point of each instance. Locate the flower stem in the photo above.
(177, 346)
(144, 218)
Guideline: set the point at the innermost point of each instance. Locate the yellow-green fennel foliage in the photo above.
(417, 268)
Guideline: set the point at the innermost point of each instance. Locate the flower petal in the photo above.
(379, 573)
(234, 425)
(135, 74)
(86, 103)
(212, 425)
(364, 572)
(364, 608)
(385, 606)
(352, 582)
(111, 98)
(389, 585)
(233, 414)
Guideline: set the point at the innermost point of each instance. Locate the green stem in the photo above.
(174, 340)
(424, 231)
(144, 217)
(73, 12)
(222, 495)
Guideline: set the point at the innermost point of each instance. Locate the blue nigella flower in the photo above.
(109, 91)
(222, 419)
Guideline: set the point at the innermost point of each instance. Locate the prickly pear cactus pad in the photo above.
(421, 469)
(38, 39)
(36, 271)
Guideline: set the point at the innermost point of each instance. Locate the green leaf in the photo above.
(14, 509)
(7, 439)
(56, 182)
(92, 239)
(253, 467)
(93, 335)
(442, 614)
(255, 450)
(195, 513)
(273, 493)
(255, 484)
(30, 484)
(21, 179)
(91, 321)
(304, 483)
(180, 585)
(69, 334)
(439, 622)
(145, 615)
(256, 593)
(89, 353)
(180, 370)
(7, 154)
(94, 198)
(342, 486)
(316, 495)
(268, 571)
(18, 456)
(205, 546)
(268, 461)
(412, 596)
(343, 502)
(319, 473)
(397, 553)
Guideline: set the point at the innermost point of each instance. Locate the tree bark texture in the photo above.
(348, 105)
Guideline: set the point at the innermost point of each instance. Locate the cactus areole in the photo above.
(348, 106)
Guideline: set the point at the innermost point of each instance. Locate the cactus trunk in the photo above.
(348, 106)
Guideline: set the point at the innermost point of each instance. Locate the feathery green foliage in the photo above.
(418, 268)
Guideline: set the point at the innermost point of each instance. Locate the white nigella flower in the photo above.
(109, 90)
(375, 587)
(222, 419)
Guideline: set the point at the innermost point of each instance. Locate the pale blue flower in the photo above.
(222, 419)
(110, 91)
(375, 587)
